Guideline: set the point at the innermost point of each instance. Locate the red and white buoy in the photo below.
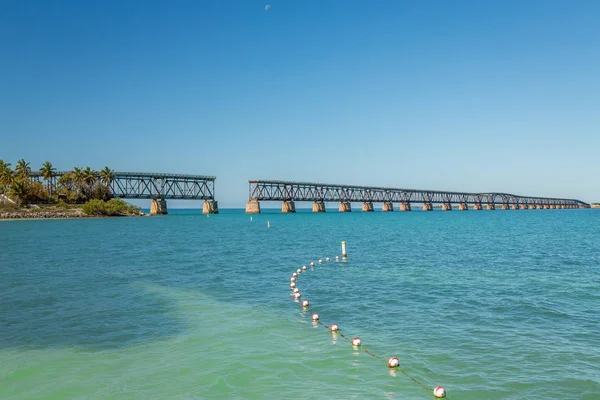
(439, 392)
(292, 285)
(315, 317)
(305, 304)
(356, 341)
(333, 327)
(393, 362)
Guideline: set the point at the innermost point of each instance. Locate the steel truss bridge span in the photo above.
(288, 191)
(142, 185)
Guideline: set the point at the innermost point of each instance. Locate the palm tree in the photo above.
(77, 175)
(66, 181)
(78, 182)
(48, 171)
(89, 176)
(19, 190)
(22, 168)
(106, 175)
(6, 176)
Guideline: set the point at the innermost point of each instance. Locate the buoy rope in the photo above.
(362, 348)
(338, 332)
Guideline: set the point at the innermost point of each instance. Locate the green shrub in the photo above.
(95, 207)
(114, 207)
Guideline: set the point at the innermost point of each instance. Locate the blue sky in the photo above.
(470, 95)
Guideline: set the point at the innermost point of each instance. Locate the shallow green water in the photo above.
(491, 305)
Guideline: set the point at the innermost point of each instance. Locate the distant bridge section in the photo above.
(158, 187)
(141, 185)
(289, 192)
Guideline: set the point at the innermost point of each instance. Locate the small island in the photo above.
(81, 192)
(595, 205)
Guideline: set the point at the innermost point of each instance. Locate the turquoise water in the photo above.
(491, 305)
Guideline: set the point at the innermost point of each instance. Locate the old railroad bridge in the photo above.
(157, 187)
(319, 193)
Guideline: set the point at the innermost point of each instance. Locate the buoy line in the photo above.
(392, 363)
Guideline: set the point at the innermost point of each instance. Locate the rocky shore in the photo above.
(37, 213)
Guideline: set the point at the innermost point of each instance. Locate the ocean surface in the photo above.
(489, 304)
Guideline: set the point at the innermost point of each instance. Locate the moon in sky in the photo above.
(267, 7)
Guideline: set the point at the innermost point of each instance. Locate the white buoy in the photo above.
(304, 268)
(293, 279)
(295, 274)
(328, 259)
(356, 341)
(250, 218)
(320, 261)
(337, 258)
(305, 304)
(268, 224)
(344, 255)
(292, 285)
(299, 271)
(333, 327)
(439, 392)
(297, 295)
(393, 362)
(315, 317)
(296, 290)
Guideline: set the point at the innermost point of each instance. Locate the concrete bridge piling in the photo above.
(345, 206)
(367, 206)
(210, 207)
(288, 207)
(405, 206)
(252, 207)
(318, 206)
(158, 207)
(387, 206)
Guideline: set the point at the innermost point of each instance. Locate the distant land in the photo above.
(78, 193)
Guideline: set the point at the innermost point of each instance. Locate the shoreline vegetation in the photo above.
(82, 192)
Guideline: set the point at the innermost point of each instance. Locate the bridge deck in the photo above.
(273, 190)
